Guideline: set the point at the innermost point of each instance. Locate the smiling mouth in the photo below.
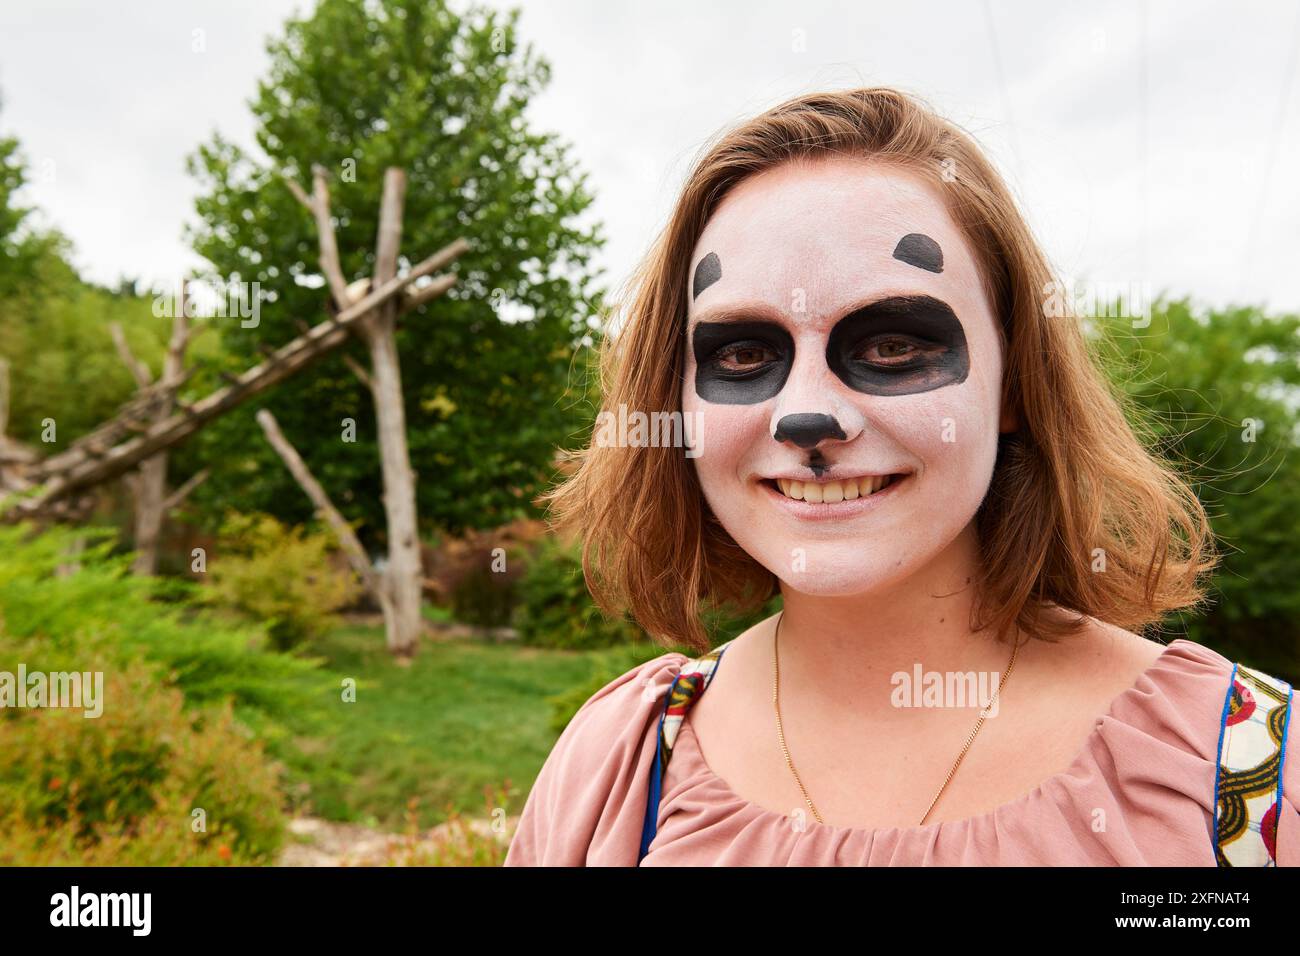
(832, 492)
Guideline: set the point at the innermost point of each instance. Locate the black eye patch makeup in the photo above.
(918, 249)
(899, 346)
(741, 363)
(707, 272)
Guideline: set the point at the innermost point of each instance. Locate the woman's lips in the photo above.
(837, 510)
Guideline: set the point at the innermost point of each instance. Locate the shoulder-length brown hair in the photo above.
(1073, 487)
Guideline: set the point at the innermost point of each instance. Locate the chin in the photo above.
(841, 570)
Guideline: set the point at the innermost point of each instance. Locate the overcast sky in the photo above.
(1164, 153)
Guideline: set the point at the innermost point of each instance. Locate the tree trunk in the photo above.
(150, 489)
(150, 486)
(4, 397)
(404, 574)
(403, 579)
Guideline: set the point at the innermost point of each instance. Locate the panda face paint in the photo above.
(897, 346)
(741, 363)
(838, 332)
(921, 251)
(707, 272)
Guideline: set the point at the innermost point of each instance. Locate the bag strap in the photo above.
(689, 685)
(1248, 782)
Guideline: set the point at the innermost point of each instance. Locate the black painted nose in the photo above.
(808, 428)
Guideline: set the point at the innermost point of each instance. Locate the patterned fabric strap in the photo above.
(686, 689)
(1248, 785)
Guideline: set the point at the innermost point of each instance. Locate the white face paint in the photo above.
(799, 247)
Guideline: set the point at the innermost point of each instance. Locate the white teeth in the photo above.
(831, 492)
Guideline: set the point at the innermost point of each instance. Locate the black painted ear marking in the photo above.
(707, 272)
(808, 428)
(916, 249)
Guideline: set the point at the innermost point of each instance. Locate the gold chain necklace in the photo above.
(780, 731)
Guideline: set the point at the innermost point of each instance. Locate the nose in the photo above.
(808, 429)
(814, 408)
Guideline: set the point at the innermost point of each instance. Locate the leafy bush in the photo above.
(477, 573)
(555, 608)
(104, 603)
(281, 576)
(484, 592)
(184, 696)
(123, 788)
(1216, 390)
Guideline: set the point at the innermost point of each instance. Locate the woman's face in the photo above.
(838, 334)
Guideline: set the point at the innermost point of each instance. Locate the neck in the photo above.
(841, 646)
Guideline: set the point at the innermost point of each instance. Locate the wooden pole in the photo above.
(351, 545)
(404, 573)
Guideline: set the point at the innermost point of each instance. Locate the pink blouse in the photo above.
(1149, 767)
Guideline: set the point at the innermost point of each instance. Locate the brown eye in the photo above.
(743, 357)
(890, 352)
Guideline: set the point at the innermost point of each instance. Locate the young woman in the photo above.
(888, 426)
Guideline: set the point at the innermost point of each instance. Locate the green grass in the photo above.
(465, 716)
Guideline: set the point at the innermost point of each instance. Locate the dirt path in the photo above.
(316, 842)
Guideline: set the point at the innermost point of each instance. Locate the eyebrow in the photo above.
(764, 312)
(756, 312)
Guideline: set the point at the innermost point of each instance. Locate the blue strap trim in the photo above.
(651, 825)
(1281, 760)
(1218, 753)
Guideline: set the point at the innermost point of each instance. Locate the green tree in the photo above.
(1218, 392)
(54, 327)
(20, 248)
(12, 177)
(409, 83)
(54, 334)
